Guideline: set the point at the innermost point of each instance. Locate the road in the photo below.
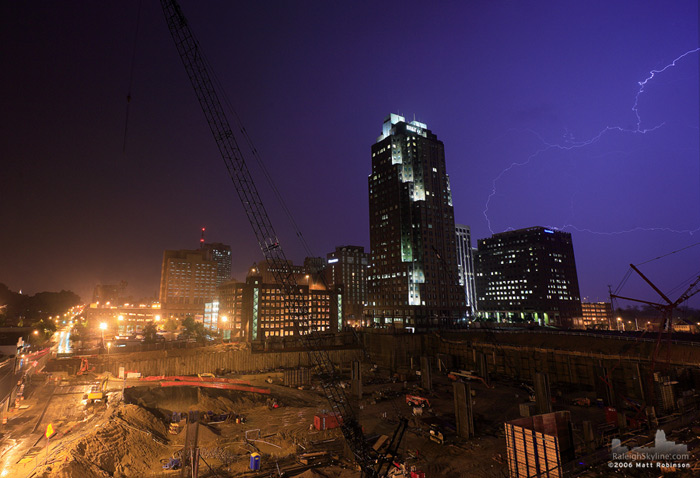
(23, 446)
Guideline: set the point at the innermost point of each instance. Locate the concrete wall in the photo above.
(211, 359)
(572, 360)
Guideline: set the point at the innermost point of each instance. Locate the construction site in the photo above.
(485, 403)
(484, 400)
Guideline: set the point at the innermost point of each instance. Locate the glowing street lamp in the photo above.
(619, 321)
(103, 327)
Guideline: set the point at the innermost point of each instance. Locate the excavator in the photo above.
(372, 463)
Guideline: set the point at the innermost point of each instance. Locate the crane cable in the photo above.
(258, 159)
(668, 254)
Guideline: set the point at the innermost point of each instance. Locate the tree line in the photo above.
(20, 310)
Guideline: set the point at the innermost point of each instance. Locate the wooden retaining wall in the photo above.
(211, 359)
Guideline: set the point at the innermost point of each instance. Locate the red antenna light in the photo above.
(201, 241)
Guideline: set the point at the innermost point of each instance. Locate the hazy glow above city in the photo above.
(570, 116)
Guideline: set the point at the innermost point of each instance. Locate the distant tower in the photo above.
(201, 240)
(465, 264)
(412, 277)
(221, 255)
(187, 282)
(347, 267)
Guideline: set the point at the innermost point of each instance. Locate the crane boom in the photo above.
(197, 71)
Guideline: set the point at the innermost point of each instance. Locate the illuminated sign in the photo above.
(332, 261)
(549, 231)
(415, 130)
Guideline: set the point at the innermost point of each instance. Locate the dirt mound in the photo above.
(128, 443)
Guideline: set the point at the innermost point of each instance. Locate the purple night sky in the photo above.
(539, 105)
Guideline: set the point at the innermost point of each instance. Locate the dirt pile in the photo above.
(128, 442)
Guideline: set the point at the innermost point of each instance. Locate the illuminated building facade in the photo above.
(125, 319)
(528, 275)
(595, 315)
(255, 310)
(187, 281)
(412, 278)
(347, 267)
(465, 265)
(236, 305)
(221, 255)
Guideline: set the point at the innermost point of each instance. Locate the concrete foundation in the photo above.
(356, 379)
(426, 373)
(463, 410)
(543, 396)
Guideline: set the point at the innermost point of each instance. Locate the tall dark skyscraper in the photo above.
(413, 279)
(221, 254)
(347, 267)
(528, 274)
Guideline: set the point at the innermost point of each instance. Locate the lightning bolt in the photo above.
(570, 144)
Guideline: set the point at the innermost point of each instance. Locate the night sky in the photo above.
(539, 105)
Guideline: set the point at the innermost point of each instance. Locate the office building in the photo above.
(412, 278)
(221, 255)
(595, 315)
(254, 310)
(112, 294)
(187, 281)
(465, 265)
(528, 275)
(347, 267)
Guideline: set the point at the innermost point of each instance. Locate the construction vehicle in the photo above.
(85, 366)
(371, 463)
(436, 435)
(97, 391)
(417, 401)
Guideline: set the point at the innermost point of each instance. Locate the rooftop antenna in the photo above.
(201, 240)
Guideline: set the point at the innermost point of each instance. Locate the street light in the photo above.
(619, 321)
(103, 327)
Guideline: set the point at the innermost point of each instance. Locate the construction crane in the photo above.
(371, 463)
(666, 310)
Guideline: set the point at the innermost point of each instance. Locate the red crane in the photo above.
(666, 310)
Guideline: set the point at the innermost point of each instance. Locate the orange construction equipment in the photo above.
(85, 366)
(417, 401)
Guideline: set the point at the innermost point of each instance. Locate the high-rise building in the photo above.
(528, 274)
(347, 267)
(465, 264)
(187, 282)
(221, 254)
(412, 278)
